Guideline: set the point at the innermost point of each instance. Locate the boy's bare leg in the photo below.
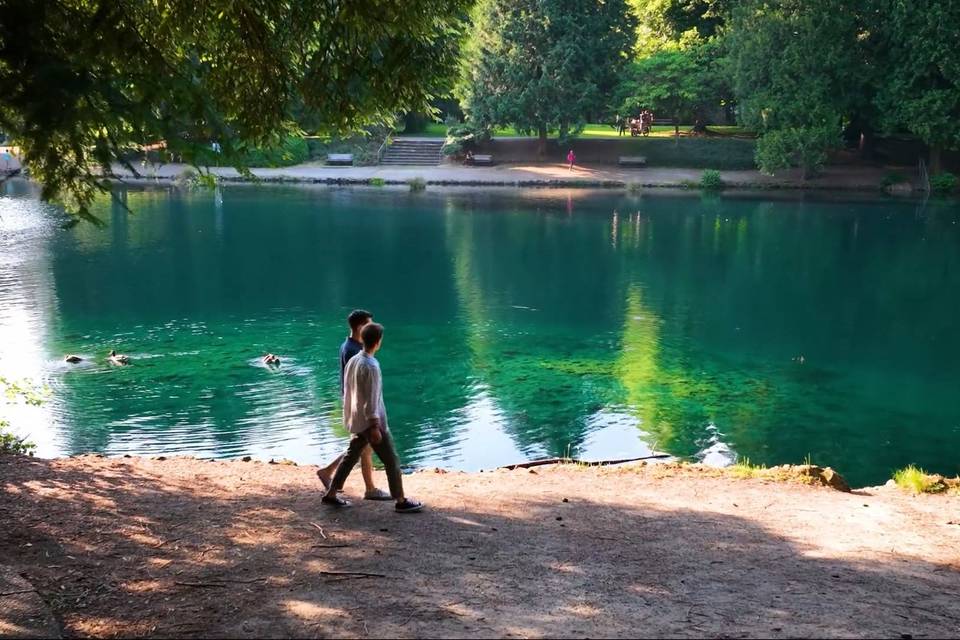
(326, 473)
(366, 469)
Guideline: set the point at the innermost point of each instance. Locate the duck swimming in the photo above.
(271, 360)
(72, 359)
(118, 358)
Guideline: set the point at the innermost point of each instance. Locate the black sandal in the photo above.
(409, 506)
(335, 502)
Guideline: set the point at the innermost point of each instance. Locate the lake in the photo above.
(519, 324)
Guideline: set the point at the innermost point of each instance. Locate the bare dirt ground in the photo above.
(188, 548)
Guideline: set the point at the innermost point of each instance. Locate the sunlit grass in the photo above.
(590, 132)
(917, 481)
(744, 469)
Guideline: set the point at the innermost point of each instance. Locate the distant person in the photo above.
(357, 320)
(621, 125)
(571, 158)
(365, 416)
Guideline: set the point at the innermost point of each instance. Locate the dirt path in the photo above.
(136, 547)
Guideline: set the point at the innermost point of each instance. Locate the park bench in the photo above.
(481, 159)
(632, 161)
(340, 159)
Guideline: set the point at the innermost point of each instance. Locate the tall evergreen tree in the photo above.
(920, 86)
(543, 64)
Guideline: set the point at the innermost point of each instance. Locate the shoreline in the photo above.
(180, 547)
(527, 175)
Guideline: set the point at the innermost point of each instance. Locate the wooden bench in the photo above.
(345, 159)
(632, 161)
(481, 159)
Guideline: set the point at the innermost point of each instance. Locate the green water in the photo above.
(519, 324)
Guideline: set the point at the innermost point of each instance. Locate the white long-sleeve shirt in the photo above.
(363, 393)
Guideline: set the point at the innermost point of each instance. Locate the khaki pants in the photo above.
(385, 451)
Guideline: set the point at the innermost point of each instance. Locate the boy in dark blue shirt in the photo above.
(357, 320)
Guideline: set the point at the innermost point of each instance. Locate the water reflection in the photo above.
(518, 324)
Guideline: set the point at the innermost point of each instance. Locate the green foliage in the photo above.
(461, 137)
(377, 182)
(11, 444)
(19, 391)
(634, 187)
(84, 83)
(918, 481)
(892, 178)
(364, 145)
(744, 469)
(804, 146)
(943, 183)
(677, 83)
(798, 68)
(727, 154)
(417, 184)
(919, 89)
(542, 64)
(711, 180)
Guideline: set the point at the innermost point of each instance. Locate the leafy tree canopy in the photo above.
(920, 88)
(543, 64)
(82, 82)
(799, 69)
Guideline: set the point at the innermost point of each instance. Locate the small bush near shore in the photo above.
(743, 469)
(944, 182)
(377, 182)
(11, 444)
(634, 187)
(417, 184)
(893, 178)
(711, 180)
(917, 481)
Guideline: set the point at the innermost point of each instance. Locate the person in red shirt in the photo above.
(571, 158)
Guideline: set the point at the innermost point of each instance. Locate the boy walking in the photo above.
(365, 416)
(357, 320)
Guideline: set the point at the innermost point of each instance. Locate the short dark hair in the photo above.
(358, 318)
(371, 334)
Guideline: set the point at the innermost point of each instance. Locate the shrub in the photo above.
(634, 187)
(804, 147)
(893, 178)
(918, 481)
(461, 137)
(711, 180)
(417, 184)
(14, 391)
(944, 182)
(377, 182)
(11, 444)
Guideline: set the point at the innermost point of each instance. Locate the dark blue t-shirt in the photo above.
(348, 349)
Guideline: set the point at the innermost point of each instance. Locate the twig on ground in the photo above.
(319, 528)
(352, 574)
(163, 542)
(329, 546)
(16, 593)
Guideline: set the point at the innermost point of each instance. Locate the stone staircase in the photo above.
(413, 151)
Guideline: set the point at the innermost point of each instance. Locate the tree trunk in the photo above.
(542, 141)
(936, 162)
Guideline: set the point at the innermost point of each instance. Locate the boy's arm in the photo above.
(366, 386)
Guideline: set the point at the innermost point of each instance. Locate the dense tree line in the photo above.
(802, 73)
(82, 82)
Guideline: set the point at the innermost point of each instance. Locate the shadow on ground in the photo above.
(128, 551)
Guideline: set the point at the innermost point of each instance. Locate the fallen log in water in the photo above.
(586, 463)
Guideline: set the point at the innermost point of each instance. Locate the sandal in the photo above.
(377, 494)
(335, 502)
(409, 506)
